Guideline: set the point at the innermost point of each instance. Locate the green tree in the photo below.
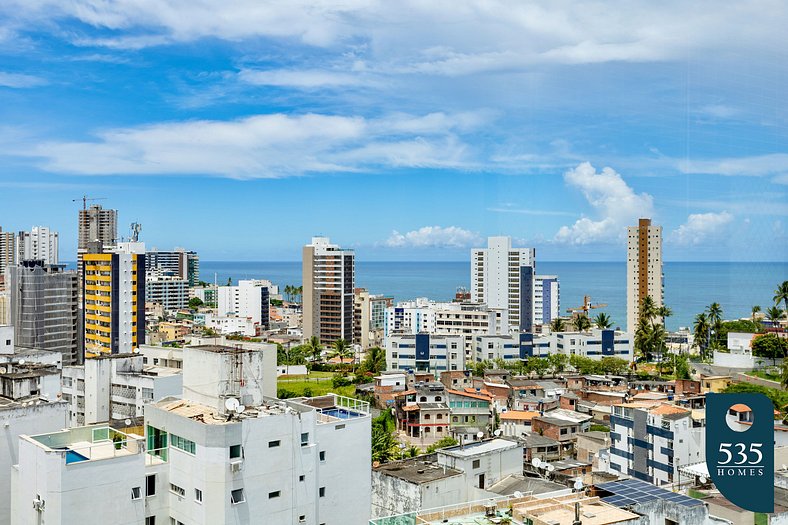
(643, 339)
(446, 442)
(342, 350)
(584, 365)
(613, 365)
(773, 314)
(540, 365)
(480, 367)
(755, 309)
(557, 325)
(714, 311)
(384, 442)
(195, 303)
(558, 362)
(581, 323)
(314, 349)
(701, 333)
(603, 321)
(374, 360)
(770, 346)
(681, 368)
(781, 294)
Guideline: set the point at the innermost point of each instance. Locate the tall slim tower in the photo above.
(39, 244)
(644, 268)
(95, 225)
(329, 281)
(114, 300)
(505, 277)
(7, 249)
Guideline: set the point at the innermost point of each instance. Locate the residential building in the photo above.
(248, 299)
(8, 252)
(167, 289)
(369, 318)
(547, 299)
(422, 413)
(471, 415)
(185, 264)
(411, 317)
(453, 475)
(329, 281)
(714, 384)
(649, 441)
(231, 325)
(425, 352)
(116, 386)
(40, 244)
(515, 423)
(511, 347)
(97, 228)
(503, 277)
(644, 269)
(387, 386)
(303, 460)
(43, 303)
(589, 443)
(562, 430)
(113, 300)
(541, 447)
(209, 295)
(595, 343)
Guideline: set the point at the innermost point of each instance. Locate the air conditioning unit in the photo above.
(236, 466)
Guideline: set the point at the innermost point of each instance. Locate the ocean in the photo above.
(689, 286)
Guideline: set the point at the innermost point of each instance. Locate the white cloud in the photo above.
(701, 227)
(434, 237)
(18, 80)
(265, 146)
(615, 205)
(755, 166)
(306, 79)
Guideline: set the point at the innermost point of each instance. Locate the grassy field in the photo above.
(311, 375)
(314, 388)
(764, 375)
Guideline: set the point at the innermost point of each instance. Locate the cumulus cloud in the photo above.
(615, 206)
(266, 146)
(304, 79)
(434, 237)
(18, 80)
(701, 227)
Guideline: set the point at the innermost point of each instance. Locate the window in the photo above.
(322, 492)
(182, 443)
(563, 431)
(322, 455)
(175, 489)
(198, 495)
(301, 477)
(136, 493)
(237, 496)
(438, 399)
(476, 463)
(236, 451)
(150, 485)
(423, 399)
(304, 439)
(426, 416)
(274, 494)
(150, 520)
(272, 444)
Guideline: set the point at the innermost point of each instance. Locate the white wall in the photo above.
(6, 340)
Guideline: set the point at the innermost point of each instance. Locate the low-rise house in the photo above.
(596, 382)
(515, 423)
(470, 414)
(387, 386)
(562, 430)
(542, 447)
(569, 400)
(714, 384)
(589, 443)
(687, 387)
(457, 379)
(422, 413)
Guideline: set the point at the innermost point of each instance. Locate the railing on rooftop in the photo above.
(452, 512)
(91, 443)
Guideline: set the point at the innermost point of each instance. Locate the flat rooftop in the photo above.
(91, 443)
(418, 470)
(480, 447)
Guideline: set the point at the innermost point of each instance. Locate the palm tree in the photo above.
(701, 332)
(342, 350)
(557, 325)
(755, 310)
(298, 291)
(581, 323)
(664, 312)
(603, 321)
(781, 294)
(774, 313)
(288, 292)
(643, 339)
(314, 348)
(374, 360)
(647, 308)
(715, 321)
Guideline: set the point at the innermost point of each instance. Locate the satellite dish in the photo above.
(128, 422)
(785, 467)
(231, 404)
(536, 462)
(498, 432)
(703, 479)
(578, 484)
(21, 361)
(240, 409)
(550, 468)
(2, 370)
(480, 435)
(518, 494)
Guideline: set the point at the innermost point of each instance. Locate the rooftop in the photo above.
(418, 470)
(91, 443)
(628, 492)
(518, 415)
(480, 447)
(511, 484)
(535, 440)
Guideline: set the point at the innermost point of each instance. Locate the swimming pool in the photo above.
(74, 457)
(342, 413)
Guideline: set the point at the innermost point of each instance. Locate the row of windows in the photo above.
(183, 444)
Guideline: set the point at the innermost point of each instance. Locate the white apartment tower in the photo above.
(329, 281)
(503, 277)
(40, 244)
(7, 249)
(644, 268)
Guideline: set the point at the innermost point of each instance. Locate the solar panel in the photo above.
(632, 491)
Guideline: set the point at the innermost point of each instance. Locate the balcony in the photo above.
(81, 444)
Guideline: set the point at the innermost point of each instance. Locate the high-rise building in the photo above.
(7, 249)
(547, 299)
(186, 264)
(250, 299)
(97, 226)
(644, 268)
(40, 244)
(503, 277)
(44, 308)
(167, 289)
(329, 279)
(114, 299)
(369, 318)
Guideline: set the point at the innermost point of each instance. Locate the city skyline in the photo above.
(396, 119)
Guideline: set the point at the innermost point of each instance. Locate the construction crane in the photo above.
(587, 305)
(85, 200)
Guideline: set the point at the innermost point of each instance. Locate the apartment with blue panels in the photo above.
(651, 441)
(425, 352)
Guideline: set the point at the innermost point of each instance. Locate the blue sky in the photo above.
(408, 130)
